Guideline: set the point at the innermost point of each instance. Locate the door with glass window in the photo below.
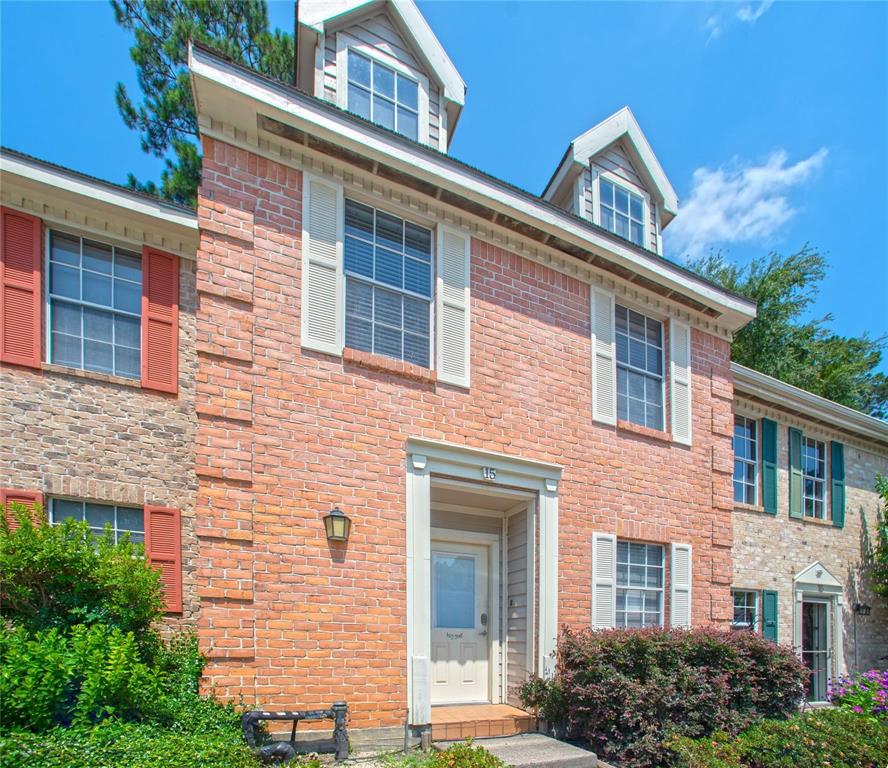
(460, 623)
(815, 646)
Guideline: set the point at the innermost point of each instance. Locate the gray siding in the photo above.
(380, 33)
(457, 521)
(615, 160)
(517, 605)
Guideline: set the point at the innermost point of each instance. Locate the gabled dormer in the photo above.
(380, 60)
(611, 177)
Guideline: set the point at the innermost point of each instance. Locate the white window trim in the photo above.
(113, 504)
(661, 610)
(758, 458)
(132, 247)
(343, 276)
(665, 359)
(619, 181)
(827, 475)
(757, 610)
(345, 42)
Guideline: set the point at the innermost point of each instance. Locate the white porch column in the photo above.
(548, 578)
(419, 612)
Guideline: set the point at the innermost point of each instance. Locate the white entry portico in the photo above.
(482, 600)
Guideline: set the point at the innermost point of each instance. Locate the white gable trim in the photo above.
(817, 575)
(318, 14)
(620, 125)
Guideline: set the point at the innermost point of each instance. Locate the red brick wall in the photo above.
(284, 435)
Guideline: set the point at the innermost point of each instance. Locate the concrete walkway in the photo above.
(527, 750)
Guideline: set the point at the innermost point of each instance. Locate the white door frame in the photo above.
(496, 658)
(499, 474)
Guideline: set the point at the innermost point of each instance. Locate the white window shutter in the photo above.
(680, 381)
(604, 580)
(604, 359)
(322, 223)
(680, 595)
(453, 306)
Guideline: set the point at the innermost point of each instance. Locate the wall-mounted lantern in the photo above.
(862, 609)
(337, 524)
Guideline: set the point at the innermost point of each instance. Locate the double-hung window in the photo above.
(388, 285)
(380, 94)
(639, 368)
(621, 211)
(814, 477)
(639, 584)
(95, 306)
(122, 520)
(746, 610)
(745, 460)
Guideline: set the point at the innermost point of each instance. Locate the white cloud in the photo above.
(714, 28)
(739, 203)
(747, 14)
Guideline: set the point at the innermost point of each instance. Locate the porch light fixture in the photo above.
(862, 609)
(337, 524)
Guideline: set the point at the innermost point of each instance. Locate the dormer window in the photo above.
(621, 211)
(382, 95)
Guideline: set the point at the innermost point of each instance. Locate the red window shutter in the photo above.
(12, 495)
(163, 548)
(160, 320)
(20, 296)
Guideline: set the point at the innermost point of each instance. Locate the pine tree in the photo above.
(165, 118)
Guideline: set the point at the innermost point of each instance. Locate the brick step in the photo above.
(481, 721)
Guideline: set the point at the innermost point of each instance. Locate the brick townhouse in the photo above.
(525, 414)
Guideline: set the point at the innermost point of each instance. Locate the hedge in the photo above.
(626, 692)
(815, 739)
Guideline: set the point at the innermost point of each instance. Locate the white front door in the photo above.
(460, 623)
(816, 646)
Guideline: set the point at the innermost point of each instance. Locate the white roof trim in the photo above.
(318, 13)
(328, 123)
(816, 573)
(621, 124)
(73, 183)
(750, 382)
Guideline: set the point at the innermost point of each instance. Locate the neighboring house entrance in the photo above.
(462, 585)
(815, 646)
(818, 627)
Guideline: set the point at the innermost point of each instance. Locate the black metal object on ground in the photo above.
(284, 751)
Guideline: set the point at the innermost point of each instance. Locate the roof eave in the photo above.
(753, 383)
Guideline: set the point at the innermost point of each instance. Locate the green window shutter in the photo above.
(795, 472)
(837, 473)
(769, 615)
(769, 466)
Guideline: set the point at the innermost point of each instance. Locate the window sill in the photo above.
(383, 364)
(814, 521)
(741, 506)
(637, 429)
(106, 378)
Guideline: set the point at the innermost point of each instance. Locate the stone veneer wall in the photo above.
(284, 434)
(770, 550)
(102, 438)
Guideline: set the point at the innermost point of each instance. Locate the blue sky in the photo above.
(771, 120)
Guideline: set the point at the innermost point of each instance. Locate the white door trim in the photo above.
(496, 656)
(425, 458)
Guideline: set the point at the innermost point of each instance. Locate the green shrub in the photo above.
(49, 678)
(62, 575)
(462, 755)
(114, 744)
(628, 691)
(812, 740)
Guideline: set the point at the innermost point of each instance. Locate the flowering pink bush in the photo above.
(865, 694)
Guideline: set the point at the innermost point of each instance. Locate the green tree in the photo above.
(165, 118)
(781, 343)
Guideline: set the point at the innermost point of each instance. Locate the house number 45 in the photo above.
(488, 473)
